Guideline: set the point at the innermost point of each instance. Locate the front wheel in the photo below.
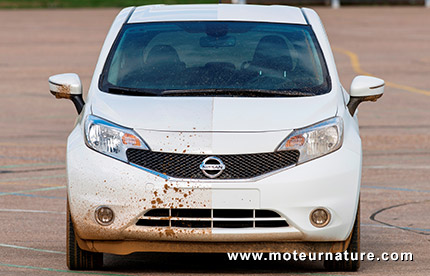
(353, 262)
(78, 259)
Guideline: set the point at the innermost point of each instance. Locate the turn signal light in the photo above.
(130, 139)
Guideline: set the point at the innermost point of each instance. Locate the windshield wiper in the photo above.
(234, 92)
(131, 91)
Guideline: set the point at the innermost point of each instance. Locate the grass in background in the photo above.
(15, 4)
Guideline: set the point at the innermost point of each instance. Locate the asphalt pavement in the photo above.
(390, 43)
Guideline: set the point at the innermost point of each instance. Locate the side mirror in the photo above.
(363, 89)
(67, 86)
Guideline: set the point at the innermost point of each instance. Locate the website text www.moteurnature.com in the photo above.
(320, 256)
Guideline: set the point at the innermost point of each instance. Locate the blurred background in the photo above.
(124, 3)
(389, 39)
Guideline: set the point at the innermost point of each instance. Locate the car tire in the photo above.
(353, 249)
(78, 259)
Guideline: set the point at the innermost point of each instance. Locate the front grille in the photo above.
(212, 218)
(239, 166)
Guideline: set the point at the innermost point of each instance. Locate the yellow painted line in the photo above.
(355, 63)
(408, 88)
(14, 183)
(353, 58)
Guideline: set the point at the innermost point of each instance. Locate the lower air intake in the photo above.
(212, 218)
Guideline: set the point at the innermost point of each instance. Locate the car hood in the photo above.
(213, 114)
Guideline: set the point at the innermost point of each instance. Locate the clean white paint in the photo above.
(221, 12)
(364, 86)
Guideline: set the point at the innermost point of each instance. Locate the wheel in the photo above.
(78, 259)
(353, 249)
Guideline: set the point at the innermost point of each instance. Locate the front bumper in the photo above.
(332, 182)
(128, 247)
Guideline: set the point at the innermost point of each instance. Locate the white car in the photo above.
(214, 128)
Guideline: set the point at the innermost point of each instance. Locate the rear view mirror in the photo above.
(364, 88)
(222, 41)
(67, 86)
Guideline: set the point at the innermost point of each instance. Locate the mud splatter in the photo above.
(169, 232)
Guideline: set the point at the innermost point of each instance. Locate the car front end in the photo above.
(207, 129)
(269, 186)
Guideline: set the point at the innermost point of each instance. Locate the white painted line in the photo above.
(378, 226)
(31, 165)
(31, 211)
(31, 178)
(34, 190)
(30, 248)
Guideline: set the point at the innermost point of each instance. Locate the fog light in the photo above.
(320, 217)
(104, 215)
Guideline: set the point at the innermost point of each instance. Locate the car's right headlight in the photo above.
(111, 139)
(316, 140)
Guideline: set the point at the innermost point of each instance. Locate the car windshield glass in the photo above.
(216, 59)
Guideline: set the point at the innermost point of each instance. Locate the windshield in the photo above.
(216, 59)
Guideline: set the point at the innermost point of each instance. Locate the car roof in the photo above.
(218, 12)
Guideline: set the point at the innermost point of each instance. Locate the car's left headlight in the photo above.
(111, 139)
(316, 140)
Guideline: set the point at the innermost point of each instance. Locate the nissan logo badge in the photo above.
(212, 167)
